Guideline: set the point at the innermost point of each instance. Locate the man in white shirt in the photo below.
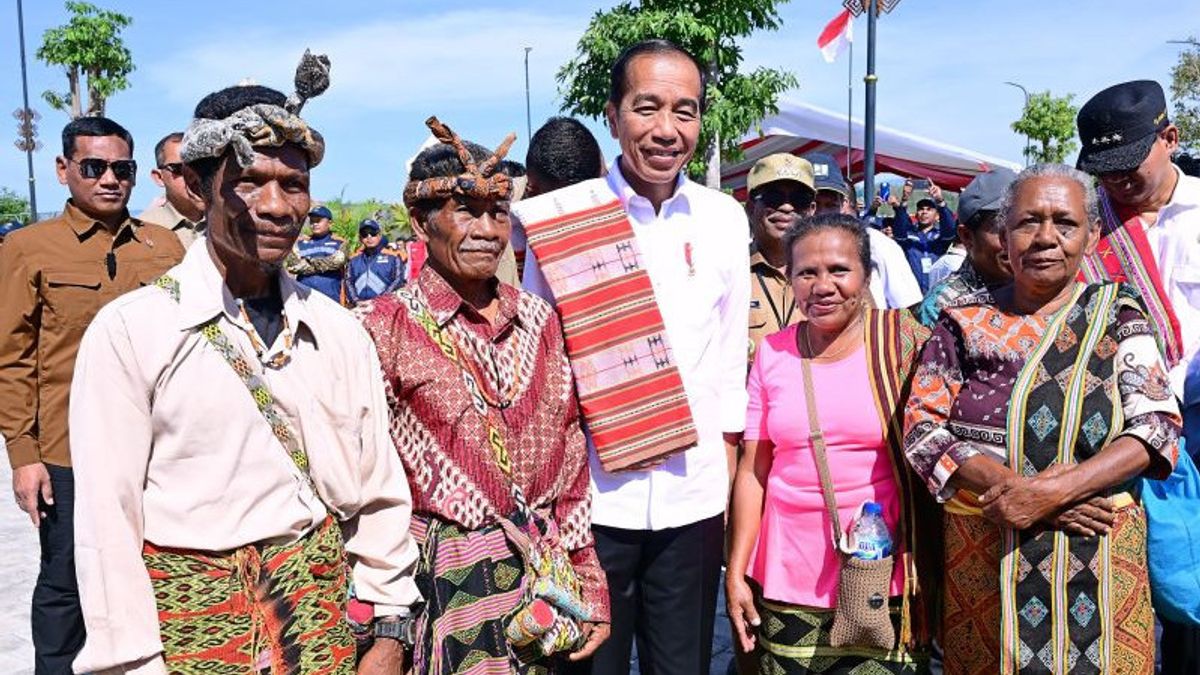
(892, 285)
(227, 425)
(677, 254)
(1150, 237)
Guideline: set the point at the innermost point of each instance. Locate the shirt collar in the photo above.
(630, 199)
(204, 295)
(83, 225)
(445, 303)
(758, 261)
(180, 220)
(1187, 191)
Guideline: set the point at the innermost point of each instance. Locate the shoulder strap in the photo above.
(256, 385)
(818, 444)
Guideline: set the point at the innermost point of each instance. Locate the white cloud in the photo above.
(386, 65)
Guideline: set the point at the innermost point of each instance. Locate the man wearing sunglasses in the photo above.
(375, 270)
(1150, 217)
(57, 275)
(781, 192)
(174, 209)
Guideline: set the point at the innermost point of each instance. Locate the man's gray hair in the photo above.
(1086, 183)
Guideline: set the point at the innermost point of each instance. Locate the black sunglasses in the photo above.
(92, 168)
(774, 198)
(174, 167)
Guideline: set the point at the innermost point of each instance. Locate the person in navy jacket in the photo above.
(320, 257)
(927, 239)
(375, 270)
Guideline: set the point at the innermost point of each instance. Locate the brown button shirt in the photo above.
(772, 307)
(54, 276)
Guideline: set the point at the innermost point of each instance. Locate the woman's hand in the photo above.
(1018, 502)
(1089, 518)
(739, 604)
(595, 634)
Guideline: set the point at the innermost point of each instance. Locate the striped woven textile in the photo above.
(1124, 255)
(472, 582)
(277, 609)
(630, 390)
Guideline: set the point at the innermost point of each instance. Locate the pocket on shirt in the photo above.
(73, 297)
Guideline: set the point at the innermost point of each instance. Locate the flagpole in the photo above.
(872, 7)
(849, 110)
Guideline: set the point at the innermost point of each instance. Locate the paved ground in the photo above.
(18, 570)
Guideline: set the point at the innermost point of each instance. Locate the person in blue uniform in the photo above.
(930, 236)
(319, 257)
(375, 270)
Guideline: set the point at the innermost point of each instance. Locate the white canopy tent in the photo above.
(800, 128)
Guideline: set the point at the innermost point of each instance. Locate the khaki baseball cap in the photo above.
(780, 166)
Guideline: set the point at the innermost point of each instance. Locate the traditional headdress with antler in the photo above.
(479, 181)
(264, 124)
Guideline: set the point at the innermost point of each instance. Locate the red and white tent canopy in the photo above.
(800, 128)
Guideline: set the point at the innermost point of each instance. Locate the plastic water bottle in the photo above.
(872, 540)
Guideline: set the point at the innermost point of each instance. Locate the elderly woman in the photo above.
(486, 421)
(859, 359)
(1030, 417)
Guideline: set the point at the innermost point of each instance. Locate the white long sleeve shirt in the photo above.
(168, 447)
(694, 251)
(893, 285)
(1175, 240)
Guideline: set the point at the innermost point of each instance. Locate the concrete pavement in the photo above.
(18, 571)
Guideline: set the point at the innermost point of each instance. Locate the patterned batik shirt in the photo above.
(520, 360)
(963, 287)
(966, 379)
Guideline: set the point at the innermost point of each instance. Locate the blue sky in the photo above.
(941, 68)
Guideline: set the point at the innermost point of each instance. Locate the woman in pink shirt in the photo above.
(782, 577)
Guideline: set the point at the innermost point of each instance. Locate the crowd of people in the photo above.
(535, 447)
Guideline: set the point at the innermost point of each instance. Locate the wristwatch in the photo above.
(403, 629)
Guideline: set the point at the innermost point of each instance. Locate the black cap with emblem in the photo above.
(1118, 126)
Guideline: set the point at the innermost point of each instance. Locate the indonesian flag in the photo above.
(836, 36)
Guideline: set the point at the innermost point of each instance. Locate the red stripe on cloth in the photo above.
(601, 233)
(649, 424)
(602, 296)
(606, 334)
(628, 394)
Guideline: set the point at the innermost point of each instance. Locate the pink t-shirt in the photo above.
(794, 559)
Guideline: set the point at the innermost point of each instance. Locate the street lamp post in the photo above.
(873, 8)
(1023, 111)
(528, 116)
(27, 143)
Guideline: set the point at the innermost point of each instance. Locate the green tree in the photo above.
(13, 205)
(88, 47)
(1185, 90)
(711, 31)
(393, 218)
(1049, 122)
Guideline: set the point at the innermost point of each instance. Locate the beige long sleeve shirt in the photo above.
(168, 216)
(169, 448)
